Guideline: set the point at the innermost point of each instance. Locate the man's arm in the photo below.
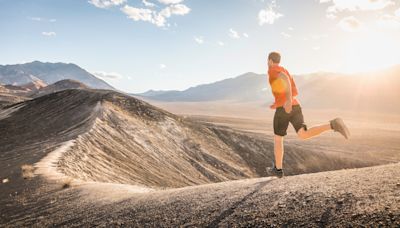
(288, 91)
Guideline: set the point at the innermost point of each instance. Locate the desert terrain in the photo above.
(99, 157)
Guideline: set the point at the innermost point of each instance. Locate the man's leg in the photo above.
(278, 151)
(313, 131)
(303, 132)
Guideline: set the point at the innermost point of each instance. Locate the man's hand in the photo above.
(288, 106)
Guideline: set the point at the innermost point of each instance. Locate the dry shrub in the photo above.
(67, 182)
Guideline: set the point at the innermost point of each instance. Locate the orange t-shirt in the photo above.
(278, 86)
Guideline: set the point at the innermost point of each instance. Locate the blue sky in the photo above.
(138, 45)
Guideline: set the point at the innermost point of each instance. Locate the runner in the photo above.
(289, 110)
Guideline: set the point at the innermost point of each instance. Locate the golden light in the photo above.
(372, 50)
(278, 86)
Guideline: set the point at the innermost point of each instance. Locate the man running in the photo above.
(289, 110)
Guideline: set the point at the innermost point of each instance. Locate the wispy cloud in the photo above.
(220, 43)
(350, 24)
(389, 21)
(157, 18)
(245, 35)
(35, 18)
(268, 15)
(199, 39)
(316, 48)
(233, 34)
(178, 9)
(316, 36)
(148, 4)
(163, 66)
(286, 35)
(167, 2)
(106, 3)
(49, 34)
(139, 14)
(337, 6)
(41, 19)
(107, 75)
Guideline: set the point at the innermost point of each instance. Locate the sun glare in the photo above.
(370, 51)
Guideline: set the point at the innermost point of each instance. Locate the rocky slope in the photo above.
(101, 157)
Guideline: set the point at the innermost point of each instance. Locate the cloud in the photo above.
(316, 48)
(199, 40)
(354, 5)
(245, 35)
(138, 14)
(268, 15)
(317, 36)
(284, 34)
(157, 18)
(40, 19)
(163, 66)
(178, 9)
(350, 24)
(106, 3)
(233, 34)
(167, 2)
(358, 5)
(148, 4)
(220, 43)
(106, 75)
(389, 22)
(36, 18)
(331, 16)
(290, 28)
(49, 34)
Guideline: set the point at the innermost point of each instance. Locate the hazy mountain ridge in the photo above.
(49, 73)
(317, 90)
(244, 87)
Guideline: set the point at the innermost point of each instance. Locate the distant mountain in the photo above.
(245, 87)
(377, 91)
(374, 91)
(49, 73)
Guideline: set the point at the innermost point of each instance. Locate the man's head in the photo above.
(274, 58)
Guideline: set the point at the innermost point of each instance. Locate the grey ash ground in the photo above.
(102, 158)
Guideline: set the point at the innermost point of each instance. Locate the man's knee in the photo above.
(302, 133)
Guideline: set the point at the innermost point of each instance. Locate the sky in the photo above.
(138, 45)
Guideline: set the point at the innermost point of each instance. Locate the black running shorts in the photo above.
(282, 119)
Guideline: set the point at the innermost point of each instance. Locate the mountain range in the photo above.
(372, 91)
(48, 73)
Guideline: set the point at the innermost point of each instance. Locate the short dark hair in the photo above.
(275, 57)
